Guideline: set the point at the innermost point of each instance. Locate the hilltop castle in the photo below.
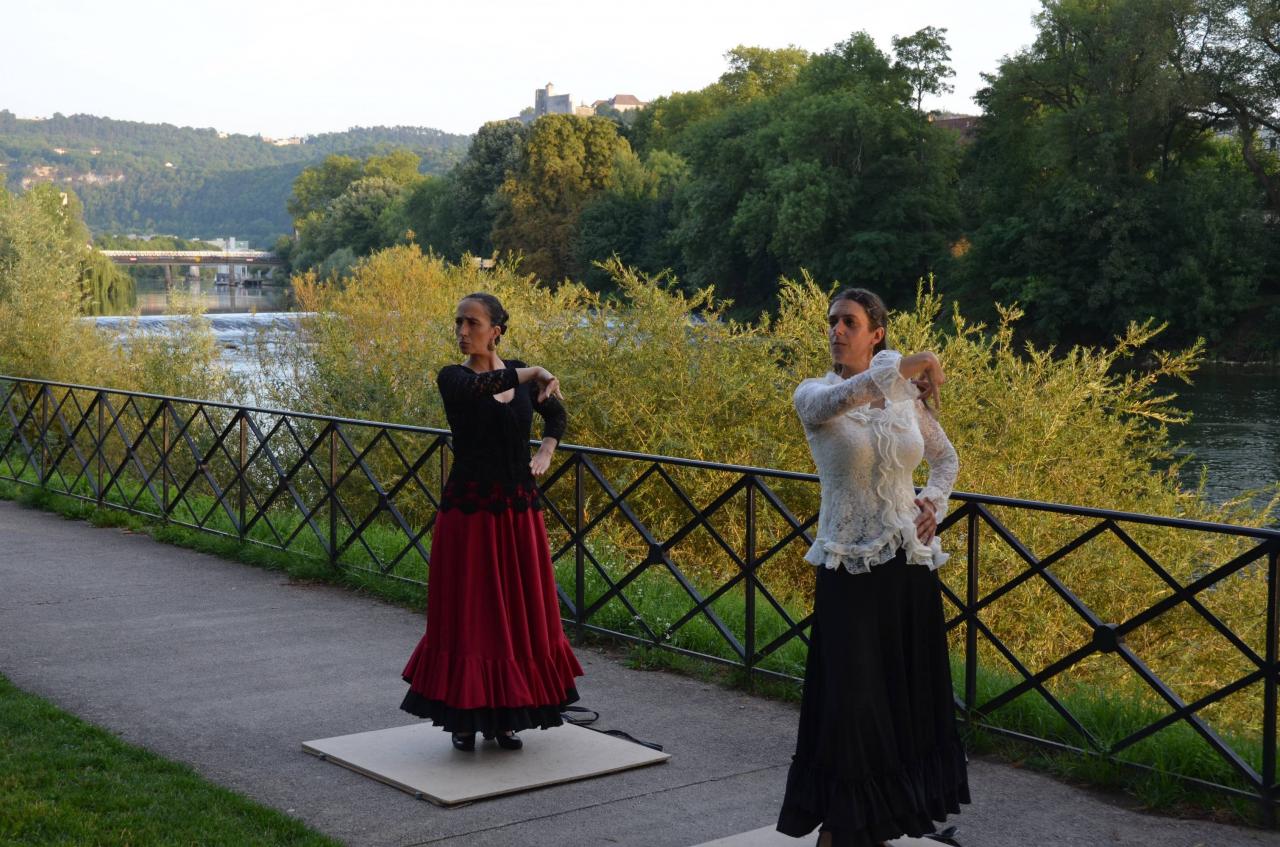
(547, 102)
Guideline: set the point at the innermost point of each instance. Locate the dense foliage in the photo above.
(1097, 196)
(49, 277)
(638, 373)
(147, 178)
(1120, 171)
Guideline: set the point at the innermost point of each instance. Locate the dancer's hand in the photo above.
(926, 520)
(541, 461)
(925, 371)
(548, 385)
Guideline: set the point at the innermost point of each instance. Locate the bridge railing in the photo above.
(1174, 620)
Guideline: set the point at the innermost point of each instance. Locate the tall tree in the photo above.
(564, 162)
(494, 154)
(319, 185)
(1097, 194)
(924, 58)
(817, 178)
(1232, 49)
(632, 218)
(760, 71)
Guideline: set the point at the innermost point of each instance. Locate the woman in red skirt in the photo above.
(494, 659)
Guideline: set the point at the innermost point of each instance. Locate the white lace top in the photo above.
(865, 458)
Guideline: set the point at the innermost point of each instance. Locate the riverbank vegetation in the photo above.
(50, 277)
(659, 368)
(1067, 426)
(1124, 167)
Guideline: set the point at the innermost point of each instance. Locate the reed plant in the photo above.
(661, 369)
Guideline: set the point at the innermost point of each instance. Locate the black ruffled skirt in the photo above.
(878, 755)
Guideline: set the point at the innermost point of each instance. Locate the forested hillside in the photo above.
(148, 178)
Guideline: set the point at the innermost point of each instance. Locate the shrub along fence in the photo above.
(1108, 634)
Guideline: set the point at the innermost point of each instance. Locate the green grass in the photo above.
(1112, 716)
(65, 782)
(660, 602)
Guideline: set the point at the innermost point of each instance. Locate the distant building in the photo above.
(547, 102)
(620, 103)
(228, 244)
(966, 126)
(1269, 139)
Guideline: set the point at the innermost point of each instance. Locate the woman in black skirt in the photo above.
(878, 755)
(494, 658)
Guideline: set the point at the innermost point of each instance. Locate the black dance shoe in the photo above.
(946, 836)
(509, 742)
(464, 741)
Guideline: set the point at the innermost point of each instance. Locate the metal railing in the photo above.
(699, 558)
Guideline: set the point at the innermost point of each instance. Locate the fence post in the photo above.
(101, 448)
(1268, 793)
(579, 548)
(164, 459)
(444, 463)
(971, 625)
(750, 578)
(333, 494)
(44, 431)
(244, 451)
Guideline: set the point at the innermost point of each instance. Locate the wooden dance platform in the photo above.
(770, 837)
(420, 759)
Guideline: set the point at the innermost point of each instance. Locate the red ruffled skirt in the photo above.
(495, 656)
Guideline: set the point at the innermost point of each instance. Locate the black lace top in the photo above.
(491, 439)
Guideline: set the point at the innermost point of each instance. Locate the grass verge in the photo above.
(63, 781)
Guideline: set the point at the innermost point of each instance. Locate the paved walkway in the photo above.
(229, 668)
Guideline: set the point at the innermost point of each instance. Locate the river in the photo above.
(1234, 431)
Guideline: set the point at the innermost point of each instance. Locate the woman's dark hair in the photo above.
(497, 315)
(877, 314)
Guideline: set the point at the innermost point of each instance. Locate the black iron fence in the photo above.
(1172, 622)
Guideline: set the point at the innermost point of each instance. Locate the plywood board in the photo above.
(770, 837)
(420, 759)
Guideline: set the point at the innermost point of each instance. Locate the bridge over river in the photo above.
(238, 262)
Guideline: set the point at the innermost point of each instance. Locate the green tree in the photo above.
(400, 166)
(1232, 49)
(354, 219)
(349, 203)
(924, 59)
(317, 186)
(760, 71)
(632, 219)
(103, 285)
(820, 177)
(662, 124)
(1097, 193)
(473, 199)
(564, 162)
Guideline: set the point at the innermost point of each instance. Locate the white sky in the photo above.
(295, 68)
